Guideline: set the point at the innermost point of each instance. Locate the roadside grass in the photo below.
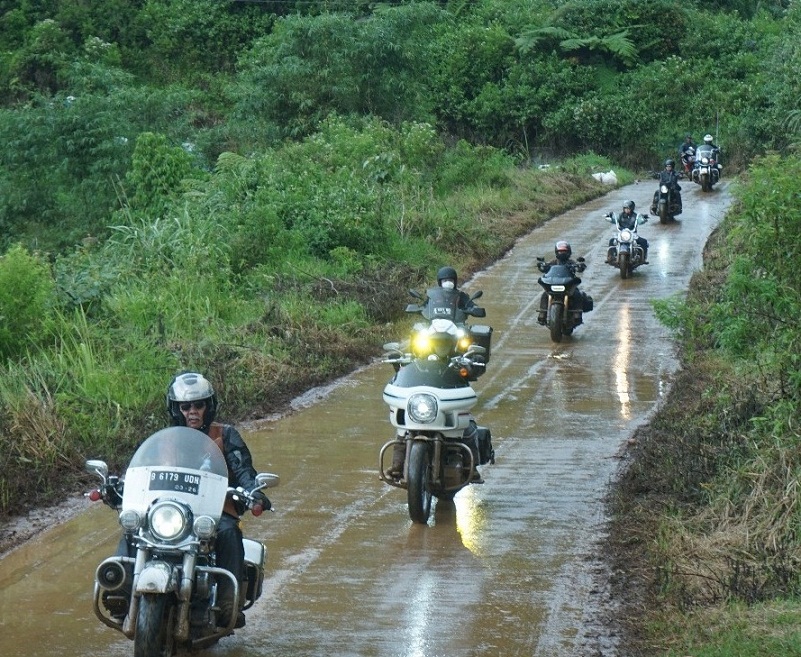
(734, 630)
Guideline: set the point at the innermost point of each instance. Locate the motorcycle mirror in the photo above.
(415, 294)
(477, 312)
(392, 346)
(580, 259)
(98, 467)
(476, 295)
(414, 308)
(267, 480)
(540, 259)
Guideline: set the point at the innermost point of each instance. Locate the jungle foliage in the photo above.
(229, 186)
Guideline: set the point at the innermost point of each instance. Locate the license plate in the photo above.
(179, 482)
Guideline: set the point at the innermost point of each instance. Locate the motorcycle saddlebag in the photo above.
(482, 336)
(587, 303)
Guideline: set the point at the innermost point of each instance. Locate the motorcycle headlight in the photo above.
(464, 341)
(421, 344)
(169, 521)
(130, 520)
(663, 189)
(422, 408)
(705, 160)
(625, 235)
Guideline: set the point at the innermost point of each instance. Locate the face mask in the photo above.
(448, 285)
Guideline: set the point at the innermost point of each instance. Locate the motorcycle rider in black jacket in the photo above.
(628, 219)
(563, 253)
(670, 178)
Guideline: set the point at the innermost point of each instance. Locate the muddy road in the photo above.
(508, 567)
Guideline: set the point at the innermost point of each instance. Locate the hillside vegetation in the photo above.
(249, 189)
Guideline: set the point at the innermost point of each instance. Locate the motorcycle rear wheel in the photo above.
(556, 313)
(155, 626)
(623, 262)
(418, 493)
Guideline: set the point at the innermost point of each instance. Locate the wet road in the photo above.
(505, 569)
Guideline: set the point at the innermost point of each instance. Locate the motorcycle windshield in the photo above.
(179, 464)
(705, 152)
(435, 374)
(443, 304)
(559, 275)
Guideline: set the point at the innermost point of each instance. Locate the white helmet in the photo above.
(708, 139)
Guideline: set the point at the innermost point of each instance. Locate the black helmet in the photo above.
(629, 205)
(188, 387)
(446, 274)
(562, 251)
(669, 163)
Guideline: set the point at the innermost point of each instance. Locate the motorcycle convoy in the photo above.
(164, 595)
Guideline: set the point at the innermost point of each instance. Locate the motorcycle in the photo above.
(666, 205)
(441, 305)
(560, 283)
(430, 398)
(688, 160)
(707, 169)
(625, 252)
(170, 501)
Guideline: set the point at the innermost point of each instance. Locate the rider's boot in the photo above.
(229, 606)
(645, 256)
(398, 459)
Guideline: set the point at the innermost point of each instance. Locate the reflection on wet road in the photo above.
(504, 569)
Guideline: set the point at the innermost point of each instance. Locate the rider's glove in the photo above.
(262, 500)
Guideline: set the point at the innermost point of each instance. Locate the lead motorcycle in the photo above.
(625, 252)
(430, 401)
(566, 307)
(170, 502)
(707, 169)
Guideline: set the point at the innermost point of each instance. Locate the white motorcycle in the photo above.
(430, 398)
(165, 598)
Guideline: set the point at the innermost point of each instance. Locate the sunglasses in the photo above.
(197, 405)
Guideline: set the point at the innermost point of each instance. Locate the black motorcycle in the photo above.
(566, 306)
(667, 206)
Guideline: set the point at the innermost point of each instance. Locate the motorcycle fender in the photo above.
(624, 248)
(157, 577)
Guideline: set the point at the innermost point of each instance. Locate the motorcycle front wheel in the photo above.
(419, 495)
(155, 626)
(556, 313)
(623, 262)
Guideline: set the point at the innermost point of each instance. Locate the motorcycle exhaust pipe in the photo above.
(111, 575)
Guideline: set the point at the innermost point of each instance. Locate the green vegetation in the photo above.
(707, 516)
(228, 186)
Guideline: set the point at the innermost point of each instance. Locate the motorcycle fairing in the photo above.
(181, 464)
(559, 275)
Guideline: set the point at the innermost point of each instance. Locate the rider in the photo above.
(192, 402)
(708, 141)
(563, 254)
(628, 219)
(447, 279)
(687, 149)
(670, 178)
